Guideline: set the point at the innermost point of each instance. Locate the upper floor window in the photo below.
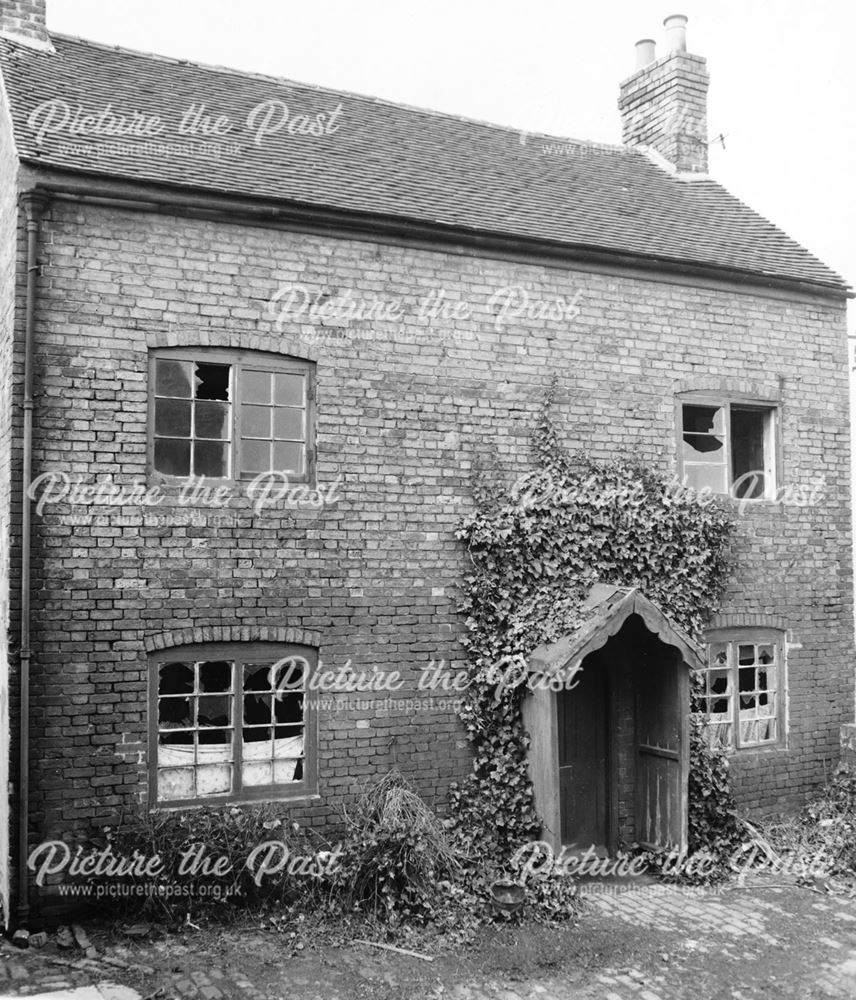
(744, 684)
(728, 447)
(231, 721)
(230, 415)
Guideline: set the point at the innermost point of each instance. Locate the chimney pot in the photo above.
(676, 33)
(646, 52)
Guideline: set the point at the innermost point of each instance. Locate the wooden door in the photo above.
(583, 759)
(662, 713)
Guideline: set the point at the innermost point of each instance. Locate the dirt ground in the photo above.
(650, 942)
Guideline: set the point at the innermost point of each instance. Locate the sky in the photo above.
(780, 92)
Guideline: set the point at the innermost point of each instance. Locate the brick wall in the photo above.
(405, 407)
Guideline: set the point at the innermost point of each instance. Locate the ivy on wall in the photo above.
(535, 549)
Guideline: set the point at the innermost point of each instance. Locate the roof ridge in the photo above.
(353, 95)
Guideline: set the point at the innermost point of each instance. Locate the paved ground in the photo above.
(650, 943)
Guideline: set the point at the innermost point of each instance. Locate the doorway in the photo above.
(583, 731)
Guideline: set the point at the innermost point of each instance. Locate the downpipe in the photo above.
(34, 204)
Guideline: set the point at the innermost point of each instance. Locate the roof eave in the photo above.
(163, 196)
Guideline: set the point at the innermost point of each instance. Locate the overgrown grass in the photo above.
(819, 842)
(396, 867)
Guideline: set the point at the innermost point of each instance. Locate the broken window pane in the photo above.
(704, 432)
(175, 713)
(193, 420)
(175, 678)
(178, 737)
(214, 710)
(212, 381)
(703, 449)
(745, 654)
(192, 435)
(215, 675)
(726, 447)
(749, 668)
(196, 739)
(719, 681)
(718, 653)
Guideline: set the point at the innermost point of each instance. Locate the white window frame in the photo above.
(237, 360)
(737, 721)
(771, 446)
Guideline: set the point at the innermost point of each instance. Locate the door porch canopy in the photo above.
(644, 667)
(611, 606)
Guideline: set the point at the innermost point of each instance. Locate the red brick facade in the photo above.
(404, 410)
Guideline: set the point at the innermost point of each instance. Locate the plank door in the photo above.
(583, 760)
(662, 713)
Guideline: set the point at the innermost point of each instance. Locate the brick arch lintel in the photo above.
(289, 345)
(745, 619)
(767, 390)
(232, 634)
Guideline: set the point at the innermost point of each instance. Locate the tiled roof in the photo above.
(381, 158)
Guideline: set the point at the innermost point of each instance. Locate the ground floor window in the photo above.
(231, 721)
(743, 687)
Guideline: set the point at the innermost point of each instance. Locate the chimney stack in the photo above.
(663, 105)
(24, 22)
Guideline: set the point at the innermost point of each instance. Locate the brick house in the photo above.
(331, 307)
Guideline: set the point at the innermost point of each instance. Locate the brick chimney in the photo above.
(24, 21)
(664, 104)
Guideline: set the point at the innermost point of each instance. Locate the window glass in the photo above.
(192, 418)
(748, 429)
(199, 744)
(197, 402)
(740, 697)
(726, 449)
(273, 423)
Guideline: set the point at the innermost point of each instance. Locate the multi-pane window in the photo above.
(742, 692)
(729, 448)
(230, 416)
(231, 722)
